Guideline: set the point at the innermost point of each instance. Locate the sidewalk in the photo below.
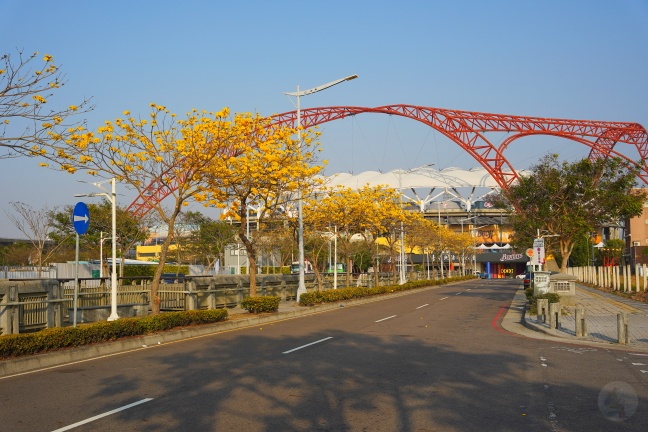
(601, 311)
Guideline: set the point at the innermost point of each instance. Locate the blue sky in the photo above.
(566, 59)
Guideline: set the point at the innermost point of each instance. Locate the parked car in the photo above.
(528, 280)
(521, 275)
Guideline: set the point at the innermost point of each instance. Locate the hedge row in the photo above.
(330, 296)
(66, 337)
(261, 304)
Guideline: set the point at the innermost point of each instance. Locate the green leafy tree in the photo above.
(17, 254)
(208, 238)
(130, 230)
(568, 200)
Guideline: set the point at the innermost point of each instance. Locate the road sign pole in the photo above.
(81, 222)
(76, 281)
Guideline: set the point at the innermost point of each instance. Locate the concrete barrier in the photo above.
(581, 322)
(622, 328)
(554, 316)
(543, 310)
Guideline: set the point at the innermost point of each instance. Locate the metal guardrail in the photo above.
(31, 305)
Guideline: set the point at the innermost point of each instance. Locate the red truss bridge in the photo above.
(469, 131)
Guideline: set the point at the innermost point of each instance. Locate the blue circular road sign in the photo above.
(81, 218)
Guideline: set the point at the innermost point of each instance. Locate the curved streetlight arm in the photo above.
(321, 87)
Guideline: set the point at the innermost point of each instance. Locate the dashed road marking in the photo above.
(384, 319)
(307, 345)
(97, 417)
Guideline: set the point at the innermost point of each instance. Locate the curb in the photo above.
(536, 331)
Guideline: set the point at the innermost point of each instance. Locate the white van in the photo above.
(294, 267)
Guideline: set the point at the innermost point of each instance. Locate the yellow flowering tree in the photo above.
(162, 149)
(31, 125)
(462, 244)
(267, 169)
(369, 213)
(418, 234)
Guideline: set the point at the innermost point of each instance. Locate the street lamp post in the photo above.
(301, 288)
(112, 197)
(403, 263)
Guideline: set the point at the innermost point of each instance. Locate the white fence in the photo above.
(617, 278)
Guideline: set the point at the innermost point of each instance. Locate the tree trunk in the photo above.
(318, 276)
(348, 272)
(566, 249)
(155, 286)
(249, 248)
(252, 271)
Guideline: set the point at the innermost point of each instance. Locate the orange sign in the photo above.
(529, 252)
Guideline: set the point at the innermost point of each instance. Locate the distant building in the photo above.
(636, 238)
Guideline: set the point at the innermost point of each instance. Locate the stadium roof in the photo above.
(461, 185)
(426, 177)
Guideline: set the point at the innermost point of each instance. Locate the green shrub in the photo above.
(261, 304)
(331, 296)
(104, 331)
(533, 301)
(528, 292)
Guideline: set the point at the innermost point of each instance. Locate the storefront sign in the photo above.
(512, 257)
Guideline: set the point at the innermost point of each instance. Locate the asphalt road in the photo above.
(434, 360)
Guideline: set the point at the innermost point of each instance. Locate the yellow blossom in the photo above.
(48, 58)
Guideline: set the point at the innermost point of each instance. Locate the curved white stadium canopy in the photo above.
(423, 177)
(451, 183)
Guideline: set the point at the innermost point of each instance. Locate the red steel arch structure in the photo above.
(468, 130)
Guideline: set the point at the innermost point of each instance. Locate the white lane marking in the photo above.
(458, 293)
(384, 319)
(639, 364)
(543, 364)
(637, 354)
(307, 345)
(97, 417)
(422, 306)
(444, 298)
(468, 289)
(643, 371)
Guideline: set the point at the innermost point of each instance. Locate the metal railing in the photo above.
(30, 305)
